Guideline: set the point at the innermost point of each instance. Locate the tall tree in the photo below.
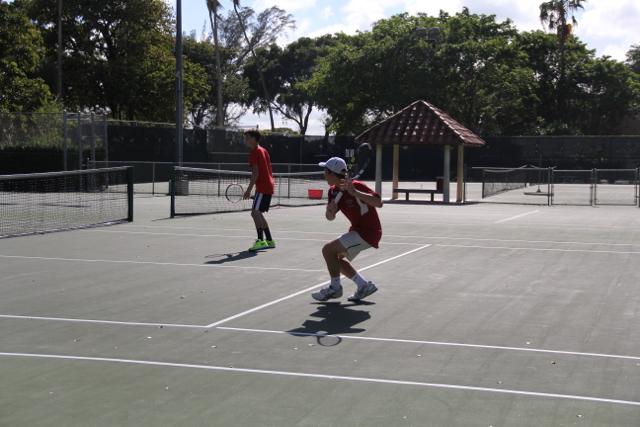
(271, 19)
(21, 54)
(287, 72)
(203, 111)
(213, 6)
(607, 93)
(476, 73)
(118, 56)
(633, 58)
(555, 14)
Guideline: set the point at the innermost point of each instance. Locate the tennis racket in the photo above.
(234, 193)
(364, 153)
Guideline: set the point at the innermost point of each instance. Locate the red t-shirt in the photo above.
(364, 218)
(259, 157)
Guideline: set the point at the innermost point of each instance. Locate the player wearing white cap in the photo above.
(358, 203)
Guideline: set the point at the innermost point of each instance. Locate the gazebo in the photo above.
(421, 123)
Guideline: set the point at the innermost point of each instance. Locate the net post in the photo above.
(79, 138)
(64, 140)
(130, 193)
(93, 137)
(153, 178)
(549, 186)
(105, 142)
(594, 188)
(172, 191)
(638, 186)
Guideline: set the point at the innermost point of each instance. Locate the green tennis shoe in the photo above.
(259, 244)
(271, 244)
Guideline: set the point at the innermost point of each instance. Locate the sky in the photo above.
(610, 27)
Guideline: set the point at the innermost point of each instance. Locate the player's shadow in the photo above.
(333, 319)
(229, 257)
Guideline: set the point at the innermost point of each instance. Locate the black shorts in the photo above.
(261, 202)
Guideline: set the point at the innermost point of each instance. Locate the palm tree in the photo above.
(236, 5)
(213, 6)
(555, 14)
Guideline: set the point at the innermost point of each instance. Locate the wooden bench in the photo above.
(406, 192)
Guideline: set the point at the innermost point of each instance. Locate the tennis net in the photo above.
(203, 191)
(496, 181)
(45, 202)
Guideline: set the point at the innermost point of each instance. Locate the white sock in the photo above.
(335, 283)
(359, 280)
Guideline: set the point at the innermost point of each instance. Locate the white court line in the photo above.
(169, 227)
(436, 343)
(229, 236)
(479, 239)
(588, 251)
(108, 322)
(173, 264)
(536, 225)
(516, 217)
(326, 377)
(270, 303)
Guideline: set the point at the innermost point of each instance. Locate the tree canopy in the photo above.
(22, 47)
(118, 57)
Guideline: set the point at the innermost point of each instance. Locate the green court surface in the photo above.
(487, 315)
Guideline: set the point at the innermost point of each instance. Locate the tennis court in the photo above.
(487, 314)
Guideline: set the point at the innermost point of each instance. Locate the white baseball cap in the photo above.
(335, 165)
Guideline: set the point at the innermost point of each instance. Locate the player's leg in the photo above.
(264, 207)
(258, 220)
(354, 244)
(332, 253)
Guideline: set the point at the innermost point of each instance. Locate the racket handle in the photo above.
(338, 197)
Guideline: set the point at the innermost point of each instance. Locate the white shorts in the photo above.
(353, 243)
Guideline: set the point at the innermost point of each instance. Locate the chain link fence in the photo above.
(51, 141)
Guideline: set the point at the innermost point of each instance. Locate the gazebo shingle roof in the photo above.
(420, 123)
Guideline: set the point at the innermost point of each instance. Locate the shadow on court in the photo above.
(230, 257)
(333, 319)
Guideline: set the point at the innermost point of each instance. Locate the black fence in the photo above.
(562, 152)
(551, 186)
(40, 143)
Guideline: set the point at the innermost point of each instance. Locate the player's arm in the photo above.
(332, 207)
(252, 182)
(370, 199)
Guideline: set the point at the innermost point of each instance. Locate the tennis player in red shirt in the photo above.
(262, 179)
(358, 203)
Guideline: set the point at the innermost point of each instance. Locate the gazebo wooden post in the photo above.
(446, 174)
(396, 170)
(460, 175)
(379, 169)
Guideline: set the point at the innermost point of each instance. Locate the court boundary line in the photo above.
(536, 226)
(435, 343)
(229, 236)
(309, 334)
(172, 264)
(98, 321)
(511, 218)
(405, 236)
(303, 291)
(324, 377)
(588, 251)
